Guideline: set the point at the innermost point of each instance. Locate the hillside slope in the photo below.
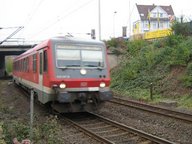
(166, 63)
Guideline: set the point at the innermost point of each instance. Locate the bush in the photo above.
(183, 29)
(15, 129)
(46, 132)
(112, 43)
(187, 78)
(173, 40)
(116, 43)
(133, 47)
(189, 69)
(159, 43)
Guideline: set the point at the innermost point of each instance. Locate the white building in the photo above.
(151, 17)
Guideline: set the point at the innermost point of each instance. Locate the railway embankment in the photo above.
(154, 71)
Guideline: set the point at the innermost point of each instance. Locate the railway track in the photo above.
(153, 109)
(111, 132)
(75, 135)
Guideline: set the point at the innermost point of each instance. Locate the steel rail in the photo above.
(136, 131)
(153, 109)
(90, 133)
(120, 126)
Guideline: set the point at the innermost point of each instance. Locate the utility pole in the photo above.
(31, 114)
(129, 18)
(114, 13)
(99, 19)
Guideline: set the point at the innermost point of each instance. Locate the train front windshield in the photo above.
(79, 56)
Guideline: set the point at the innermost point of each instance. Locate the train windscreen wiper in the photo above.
(69, 66)
(94, 66)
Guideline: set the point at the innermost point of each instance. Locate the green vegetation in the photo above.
(182, 28)
(166, 63)
(47, 132)
(9, 65)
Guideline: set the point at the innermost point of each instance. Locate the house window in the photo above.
(154, 14)
(167, 25)
(146, 25)
(154, 25)
(161, 25)
(135, 26)
(161, 15)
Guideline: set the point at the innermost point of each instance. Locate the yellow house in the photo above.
(151, 18)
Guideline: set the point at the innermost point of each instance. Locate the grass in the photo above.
(144, 95)
(185, 101)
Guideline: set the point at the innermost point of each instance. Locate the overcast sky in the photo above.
(43, 19)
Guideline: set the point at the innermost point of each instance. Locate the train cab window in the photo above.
(79, 55)
(34, 63)
(45, 61)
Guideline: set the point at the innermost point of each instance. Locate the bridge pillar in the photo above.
(2, 65)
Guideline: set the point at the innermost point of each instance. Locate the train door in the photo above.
(41, 75)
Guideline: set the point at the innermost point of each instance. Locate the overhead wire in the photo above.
(63, 17)
(34, 11)
(31, 15)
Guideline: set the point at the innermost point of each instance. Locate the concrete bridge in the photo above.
(6, 50)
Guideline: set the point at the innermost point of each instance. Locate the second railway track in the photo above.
(111, 132)
(154, 109)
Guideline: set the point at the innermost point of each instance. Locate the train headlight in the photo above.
(83, 71)
(102, 85)
(62, 85)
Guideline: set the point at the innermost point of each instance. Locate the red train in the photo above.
(69, 73)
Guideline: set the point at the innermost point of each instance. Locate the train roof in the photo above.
(65, 39)
(76, 40)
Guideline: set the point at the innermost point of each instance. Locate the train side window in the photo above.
(15, 66)
(41, 63)
(27, 62)
(34, 63)
(45, 61)
(24, 65)
(20, 65)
